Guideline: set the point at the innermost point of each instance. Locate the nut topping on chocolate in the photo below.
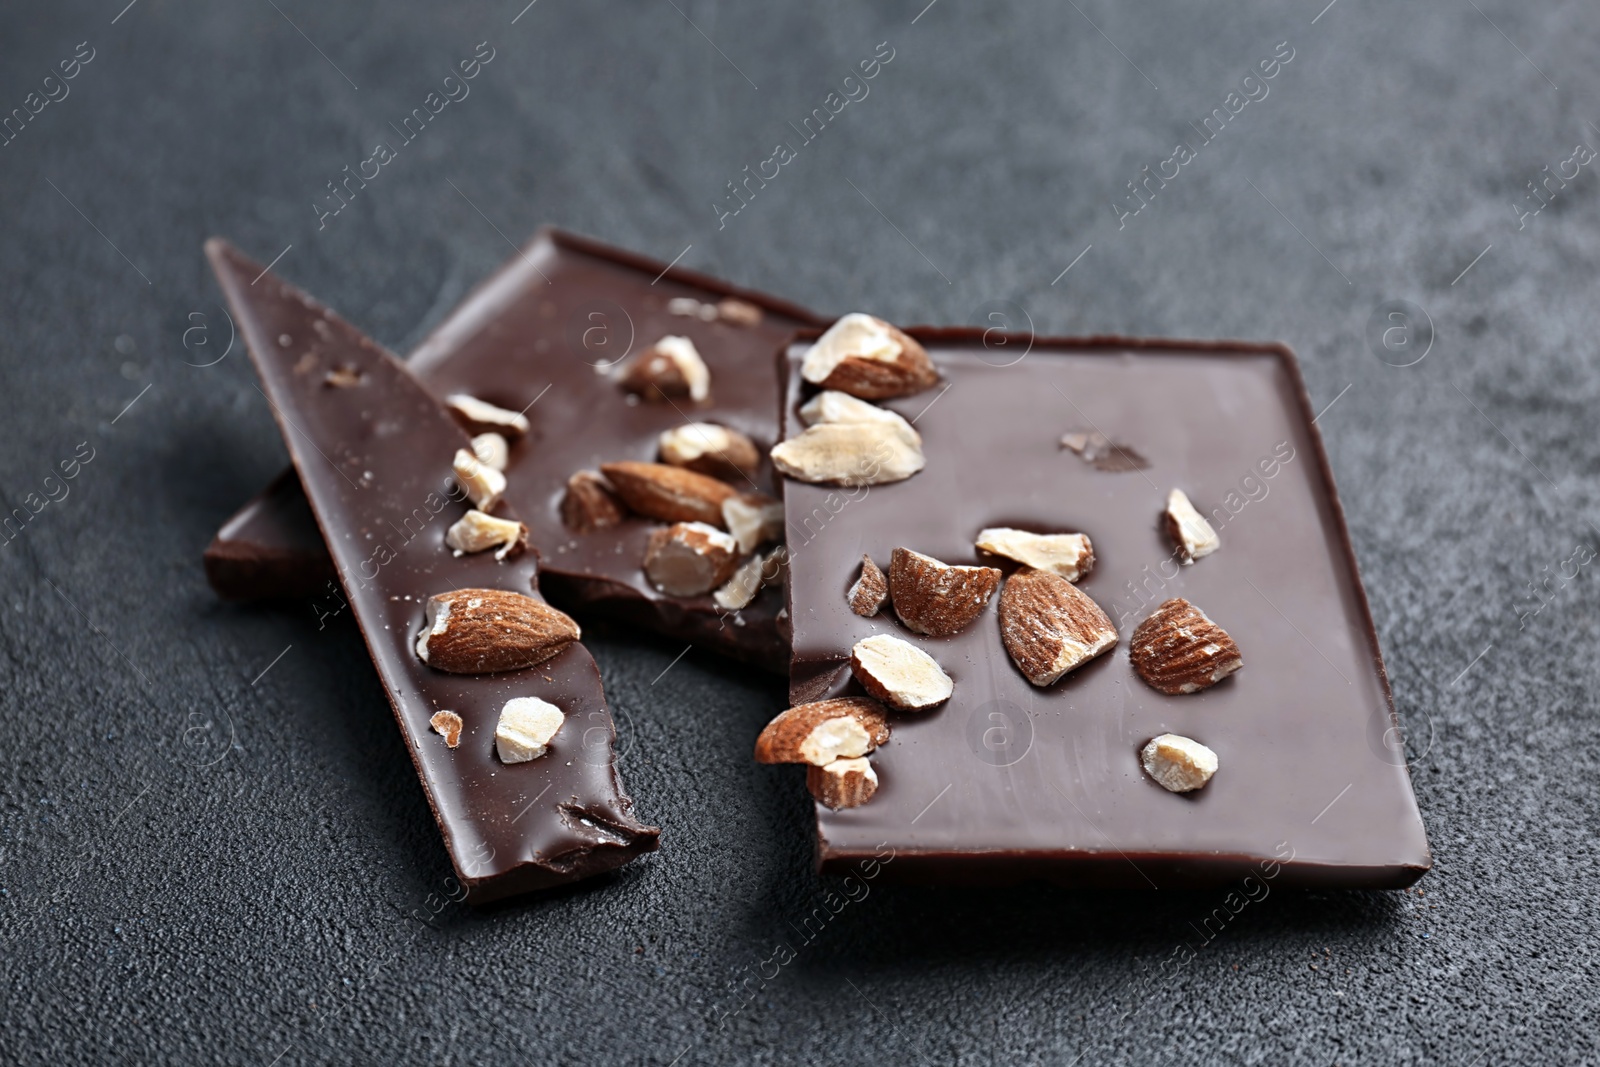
(823, 731)
(1049, 626)
(1069, 554)
(670, 494)
(866, 357)
(899, 673)
(590, 504)
(481, 482)
(482, 417)
(491, 448)
(668, 370)
(1177, 763)
(849, 453)
(753, 519)
(936, 598)
(1188, 528)
(834, 406)
(481, 631)
(738, 312)
(689, 558)
(871, 590)
(738, 591)
(476, 531)
(710, 449)
(447, 724)
(526, 726)
(1179, 650)
(844, 783)
(1101, 453)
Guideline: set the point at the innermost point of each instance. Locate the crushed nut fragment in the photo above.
(1068, 554)
(447, 724)
(849, 454)
(1049, 626)
(481, 482)
(899, 673)
(492, 448)
(866, 357)
(480, 416)
(1177, 763)
(870, 591)
(1189, 529)
(844, 783)
(710, 449)
(668, 369)
(590, 504)
(936, 598)
(475, 532)
(753, 519)
(526, 727)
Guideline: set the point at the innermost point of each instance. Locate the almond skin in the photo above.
(590, 504)
(936, 598)
(871, 590)
(1050, 626)
(671, 494)
(483, 631)
(1179, 650)
(781, 740)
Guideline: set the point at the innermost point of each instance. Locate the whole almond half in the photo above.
(1050, 626)
(1179, 650)
(844, 783)
(671, 494)
(482, 631)
(866, 357)
(936, 598)
(806, 734)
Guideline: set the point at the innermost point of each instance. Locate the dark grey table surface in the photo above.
(212, 845)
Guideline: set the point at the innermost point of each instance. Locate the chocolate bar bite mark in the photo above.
(575, 821)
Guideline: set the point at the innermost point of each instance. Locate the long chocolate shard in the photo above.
(373, 450)
(546, 332)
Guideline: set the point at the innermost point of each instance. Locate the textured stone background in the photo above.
(202, 860)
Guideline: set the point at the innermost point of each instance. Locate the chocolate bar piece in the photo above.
(1008, 779)
(374, 450)
(551, 333)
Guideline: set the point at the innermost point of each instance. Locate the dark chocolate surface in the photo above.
(374, 458)
(1009, 780)
(540, 335)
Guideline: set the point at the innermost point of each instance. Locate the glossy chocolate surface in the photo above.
(375, 459)
(1008, 781)
(541, 334)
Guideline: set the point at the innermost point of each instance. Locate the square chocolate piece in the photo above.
(1008, 780)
